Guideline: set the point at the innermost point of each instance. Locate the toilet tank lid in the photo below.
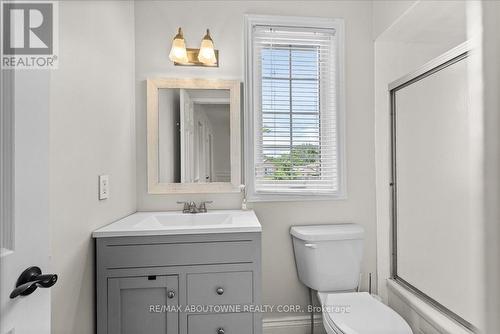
(328, 232)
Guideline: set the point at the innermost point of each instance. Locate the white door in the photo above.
(24, 198)
(210, 161)
(187, 137)
(207, 152)
(198, 152)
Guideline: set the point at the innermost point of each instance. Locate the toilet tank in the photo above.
(328, 257)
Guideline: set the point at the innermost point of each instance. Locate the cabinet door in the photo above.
(138, 305)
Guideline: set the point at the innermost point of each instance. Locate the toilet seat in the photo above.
(359, 313)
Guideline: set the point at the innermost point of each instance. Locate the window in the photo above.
(294, 108)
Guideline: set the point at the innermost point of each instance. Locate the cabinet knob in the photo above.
(220, 331)
(220, 291)
(171, 294)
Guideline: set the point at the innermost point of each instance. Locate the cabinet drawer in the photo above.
(226, 288)
(175, 254)
(228, 323)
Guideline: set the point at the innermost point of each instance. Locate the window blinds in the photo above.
(295, 110)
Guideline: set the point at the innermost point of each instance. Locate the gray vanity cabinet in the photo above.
(140, 280)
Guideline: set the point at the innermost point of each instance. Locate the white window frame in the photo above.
(302, 22)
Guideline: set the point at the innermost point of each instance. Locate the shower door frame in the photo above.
(451, 57)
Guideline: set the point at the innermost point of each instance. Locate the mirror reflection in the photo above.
(194, 135)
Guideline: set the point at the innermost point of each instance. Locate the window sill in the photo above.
(256, 198)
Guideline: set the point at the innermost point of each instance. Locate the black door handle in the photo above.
(31, 279)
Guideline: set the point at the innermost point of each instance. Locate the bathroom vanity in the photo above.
(169, 272)
(183, 273)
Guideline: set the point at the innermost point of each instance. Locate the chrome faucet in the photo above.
(190, 207)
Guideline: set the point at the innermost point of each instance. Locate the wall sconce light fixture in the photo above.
(206, 55)
(178, 51)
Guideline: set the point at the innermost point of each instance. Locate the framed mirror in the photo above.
(193, 136)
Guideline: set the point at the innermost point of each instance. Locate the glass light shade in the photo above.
(178, 51)
(206, 55)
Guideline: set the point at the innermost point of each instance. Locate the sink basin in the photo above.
(169, 223)
(172, 220)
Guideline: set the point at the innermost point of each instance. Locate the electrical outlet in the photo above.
(103, 187)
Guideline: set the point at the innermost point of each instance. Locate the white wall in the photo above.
(156, 24)
(484, 24)
(491, 72)
(386, 13)
(91, 133)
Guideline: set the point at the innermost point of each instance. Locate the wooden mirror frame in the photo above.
(154, 184)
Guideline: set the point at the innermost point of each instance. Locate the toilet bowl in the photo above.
(359, 313)
(328, 259)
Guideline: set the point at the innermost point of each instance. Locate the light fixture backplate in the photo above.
(192, 55)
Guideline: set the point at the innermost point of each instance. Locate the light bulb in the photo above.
(206, 55)
(178, 51)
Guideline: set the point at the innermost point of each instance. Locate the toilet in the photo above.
(328, 259)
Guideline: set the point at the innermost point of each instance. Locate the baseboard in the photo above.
(293, 325)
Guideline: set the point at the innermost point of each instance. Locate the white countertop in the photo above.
(176, 222)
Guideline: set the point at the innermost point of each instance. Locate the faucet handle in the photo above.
(202, 207)
(186, 206)
(192, 207)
